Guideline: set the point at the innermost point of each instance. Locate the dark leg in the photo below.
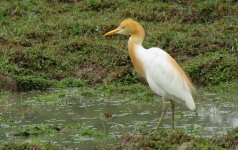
(172, 109)
(196, 113)
(162, 115)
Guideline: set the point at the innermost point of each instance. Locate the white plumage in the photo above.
(164, 76)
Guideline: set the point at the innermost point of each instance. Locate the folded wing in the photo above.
(167, 78)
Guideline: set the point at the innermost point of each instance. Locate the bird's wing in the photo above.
(167, 75)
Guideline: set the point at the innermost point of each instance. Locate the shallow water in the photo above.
(216, 115)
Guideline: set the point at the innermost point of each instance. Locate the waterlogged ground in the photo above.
(70, 119)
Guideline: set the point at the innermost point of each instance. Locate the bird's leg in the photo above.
(172, 109)
(162, 115)
(196, 113)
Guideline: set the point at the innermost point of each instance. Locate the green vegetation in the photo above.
(36, 129)
(35, 134)
(175, 139)
(226, 88)
(31, 82)
(4, 94)
(48, 129)
(25, 146)
(59, 43)
(45, 42)
(163, 139)
(86, 131)
(120, 91)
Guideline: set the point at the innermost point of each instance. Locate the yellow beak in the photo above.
(111, 32)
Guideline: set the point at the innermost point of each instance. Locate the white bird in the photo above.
(163, 74)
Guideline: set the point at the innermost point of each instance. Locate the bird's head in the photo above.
(128, 27)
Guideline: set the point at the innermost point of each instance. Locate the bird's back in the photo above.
(166, 77)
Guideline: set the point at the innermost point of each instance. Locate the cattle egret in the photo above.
(163, 74)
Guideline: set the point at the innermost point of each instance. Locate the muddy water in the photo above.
(110, 115)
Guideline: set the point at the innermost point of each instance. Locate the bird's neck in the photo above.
(134, 42)
(137, 37)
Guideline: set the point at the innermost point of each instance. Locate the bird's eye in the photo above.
(123, 27)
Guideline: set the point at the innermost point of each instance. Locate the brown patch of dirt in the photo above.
(20, 44)
(3, 41)
(131, 142)
(8, 83)
(187, 145)
(93, 72)
(97, 73)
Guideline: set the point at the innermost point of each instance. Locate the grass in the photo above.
(44, 42)
(166, 139)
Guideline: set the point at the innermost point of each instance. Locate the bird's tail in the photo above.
(189, 102)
